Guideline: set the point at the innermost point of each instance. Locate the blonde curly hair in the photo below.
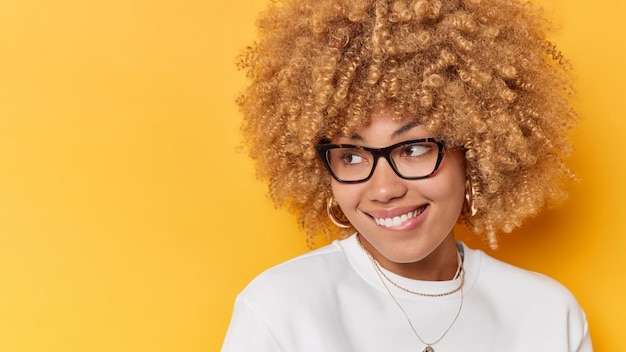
(480, 74)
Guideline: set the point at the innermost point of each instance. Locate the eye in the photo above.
(352, 158)
(348, 157)
(415, 150)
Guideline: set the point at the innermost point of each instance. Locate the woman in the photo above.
(398, 119)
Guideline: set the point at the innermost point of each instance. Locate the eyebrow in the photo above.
(397, 133)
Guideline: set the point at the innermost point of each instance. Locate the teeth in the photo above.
(398, 220)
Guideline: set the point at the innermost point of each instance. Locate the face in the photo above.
(425, 210)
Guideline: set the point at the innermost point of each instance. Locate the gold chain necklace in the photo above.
(380, 274)
(460, 273)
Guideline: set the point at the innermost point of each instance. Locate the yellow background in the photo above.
(129, 220)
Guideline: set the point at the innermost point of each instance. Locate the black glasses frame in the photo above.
(377, 153)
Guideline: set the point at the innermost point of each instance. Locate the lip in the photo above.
(399, 219)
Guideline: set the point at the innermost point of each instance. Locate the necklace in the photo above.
(460, 273)
(380, 274)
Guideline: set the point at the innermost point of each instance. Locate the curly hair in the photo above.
(480, 74)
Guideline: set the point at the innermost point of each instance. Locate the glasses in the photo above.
(411, 160)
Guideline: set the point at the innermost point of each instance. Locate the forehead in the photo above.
(382, 129)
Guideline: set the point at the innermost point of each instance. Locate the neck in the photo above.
(440, 265)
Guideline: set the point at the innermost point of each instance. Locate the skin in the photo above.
(423, 247)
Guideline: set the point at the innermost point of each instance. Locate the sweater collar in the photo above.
(361, 263)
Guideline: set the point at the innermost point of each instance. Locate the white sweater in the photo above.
(332, 299)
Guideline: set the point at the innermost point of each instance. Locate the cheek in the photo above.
(457, 177)
(346, 195)
(449, 183)
(448, 191)
(338, 191)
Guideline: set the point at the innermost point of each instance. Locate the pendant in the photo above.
(428, 349)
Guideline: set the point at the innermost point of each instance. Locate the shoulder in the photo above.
(299, 276)
(272, 304)
(496, 274)
(541, 305)
(525, 294)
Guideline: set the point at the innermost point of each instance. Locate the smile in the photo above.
(399, 220)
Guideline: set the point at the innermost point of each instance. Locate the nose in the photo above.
(385, 185)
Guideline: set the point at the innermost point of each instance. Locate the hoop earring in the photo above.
(339, 220)
(470, 194)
